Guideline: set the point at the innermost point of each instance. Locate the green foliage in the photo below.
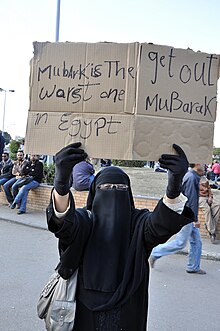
(128, 163)
(14, 147)
(49, 173)
(216, 152)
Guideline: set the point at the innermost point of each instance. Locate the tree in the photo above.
(14, 147)
(216, 152)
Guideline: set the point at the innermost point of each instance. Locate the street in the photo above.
(178, 301)
(28, 256)
(181, 301)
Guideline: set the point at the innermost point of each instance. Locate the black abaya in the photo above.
(124, 306)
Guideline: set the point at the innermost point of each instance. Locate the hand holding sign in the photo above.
(177, 166)
(65, 160)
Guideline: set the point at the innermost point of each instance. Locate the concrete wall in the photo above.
(38, 199)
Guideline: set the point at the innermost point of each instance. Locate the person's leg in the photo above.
(207, 212)
(2, 182)
(173, 246)
(23, 194)
(215, 212)
(15, 187)
(7, 188)
(195, 250)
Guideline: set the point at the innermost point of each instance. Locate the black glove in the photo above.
(65, 160)
(177, 166)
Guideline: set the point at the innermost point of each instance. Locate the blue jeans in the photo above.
(3, 180)
(188, 232)
(21, 197)
(7, 188)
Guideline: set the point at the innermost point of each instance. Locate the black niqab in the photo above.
(107, 248)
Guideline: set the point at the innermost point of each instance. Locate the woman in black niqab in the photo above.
(113, 259)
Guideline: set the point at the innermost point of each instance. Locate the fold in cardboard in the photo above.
(122, 101)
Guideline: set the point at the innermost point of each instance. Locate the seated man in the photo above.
(210, 206)
(82, 175)
(17, 173)
(6, 166)
(33, 168)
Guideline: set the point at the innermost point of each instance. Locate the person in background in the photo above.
(13, 183)
(210, 206)
(190, 232)
(82, 175)
(21, 147)
(34, 168)
(2, 144)
(106, 162)
(6, 166)
(158, 168)
(96, 163)
(216, 170)
(209, 173)
(111, 241)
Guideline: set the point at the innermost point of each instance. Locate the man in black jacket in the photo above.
(33, 169)
(6, 166)
(111, 241)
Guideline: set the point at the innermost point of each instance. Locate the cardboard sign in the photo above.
(122, 101)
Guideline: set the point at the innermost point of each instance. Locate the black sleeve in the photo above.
(37, 171)
(73, 232)
(7, 171)
(25, 168)
(163, 223)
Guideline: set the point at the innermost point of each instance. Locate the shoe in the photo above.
(212, 237)
(152, 261)
(21, 212)
(12, 205)
(18, 206)
(198, 272)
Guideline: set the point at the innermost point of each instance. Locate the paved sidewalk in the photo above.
(37, 219)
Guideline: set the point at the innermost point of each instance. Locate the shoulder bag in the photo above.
(57, 303)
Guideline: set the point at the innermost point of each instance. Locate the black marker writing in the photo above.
(85, 128)
(174, 103)
(41, 116)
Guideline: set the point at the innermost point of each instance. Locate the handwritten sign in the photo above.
(177, 83)
(84, 77)
(122, 101)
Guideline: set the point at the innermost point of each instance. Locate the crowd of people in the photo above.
(18, 177)
(209, 179)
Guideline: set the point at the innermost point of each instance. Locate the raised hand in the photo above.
(65, 160)
(177, 166)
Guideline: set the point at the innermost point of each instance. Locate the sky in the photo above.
(181, 24)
